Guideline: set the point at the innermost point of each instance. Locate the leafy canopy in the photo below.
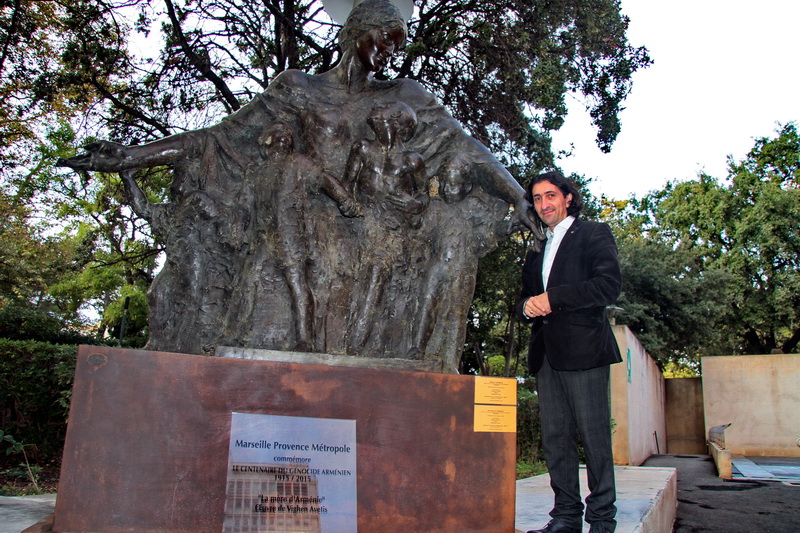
(714, 266)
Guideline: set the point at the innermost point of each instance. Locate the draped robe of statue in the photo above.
(234, 293)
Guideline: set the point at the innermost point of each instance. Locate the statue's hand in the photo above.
(102, 156)
(349, 208)
(409, 204)
(523, 219)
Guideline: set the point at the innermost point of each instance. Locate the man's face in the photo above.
(550, 203)
(376, 47)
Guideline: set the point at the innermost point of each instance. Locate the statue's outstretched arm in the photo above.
(107, 156)
(499, 182)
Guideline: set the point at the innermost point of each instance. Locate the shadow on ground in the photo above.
(708, 504)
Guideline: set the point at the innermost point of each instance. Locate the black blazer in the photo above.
(584, 279)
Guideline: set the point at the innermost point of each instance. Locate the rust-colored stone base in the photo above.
(148, 436)
(44, 525)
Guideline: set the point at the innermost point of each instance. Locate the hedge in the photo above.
(35, 391)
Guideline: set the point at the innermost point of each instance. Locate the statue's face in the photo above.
(279, 141)
(385, 121)
(454, 186)
(381, 125)
(376, 47)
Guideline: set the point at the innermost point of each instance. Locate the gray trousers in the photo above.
(572, 405)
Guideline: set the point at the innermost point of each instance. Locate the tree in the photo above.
(33, 96)
(28, 261)
(672, 304)
(732, 244)
(502, 68)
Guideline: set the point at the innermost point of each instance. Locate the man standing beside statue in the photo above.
(565, 288)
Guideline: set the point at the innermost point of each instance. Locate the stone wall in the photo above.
(638, 403)
(759, 396)
(685, 422)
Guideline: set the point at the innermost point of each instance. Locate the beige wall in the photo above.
(685, 421)
(760, 396)
(637, 403)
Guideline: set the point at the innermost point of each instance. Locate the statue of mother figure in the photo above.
(224, 296)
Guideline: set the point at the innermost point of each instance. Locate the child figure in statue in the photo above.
(461, 226)
(282, 185)
(390, 183)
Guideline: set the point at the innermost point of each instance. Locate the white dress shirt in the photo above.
(554, 238)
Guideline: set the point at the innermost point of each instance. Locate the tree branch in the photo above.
(202, 65)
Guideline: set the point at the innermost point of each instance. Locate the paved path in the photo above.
(19, 513)
(646, 500)
(706, 503)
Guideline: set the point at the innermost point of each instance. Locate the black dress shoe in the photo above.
(599, 528)
(553, 526)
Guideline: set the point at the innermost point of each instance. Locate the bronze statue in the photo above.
(353, 265)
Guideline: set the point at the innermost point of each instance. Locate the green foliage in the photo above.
(526, 469)
(681, 369)
(672, 304)
(19, 321)
(503, 68)
(497, 367)
(35, 390)
(748, 227)
(529, 431)
(25, 469)
(713, 267)
(135, 317)
(29, 261)
(11, 444)
(48, 278)
(29, 31)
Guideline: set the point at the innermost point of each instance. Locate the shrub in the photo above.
(19, 321)
(35, 391)
(529, 431)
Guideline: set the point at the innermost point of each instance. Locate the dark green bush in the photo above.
(20, 321)
(529, 431)
(35, 391)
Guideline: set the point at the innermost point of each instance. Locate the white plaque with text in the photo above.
(288, 473)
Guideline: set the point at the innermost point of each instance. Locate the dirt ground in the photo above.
(708, 504)
(14, 480)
